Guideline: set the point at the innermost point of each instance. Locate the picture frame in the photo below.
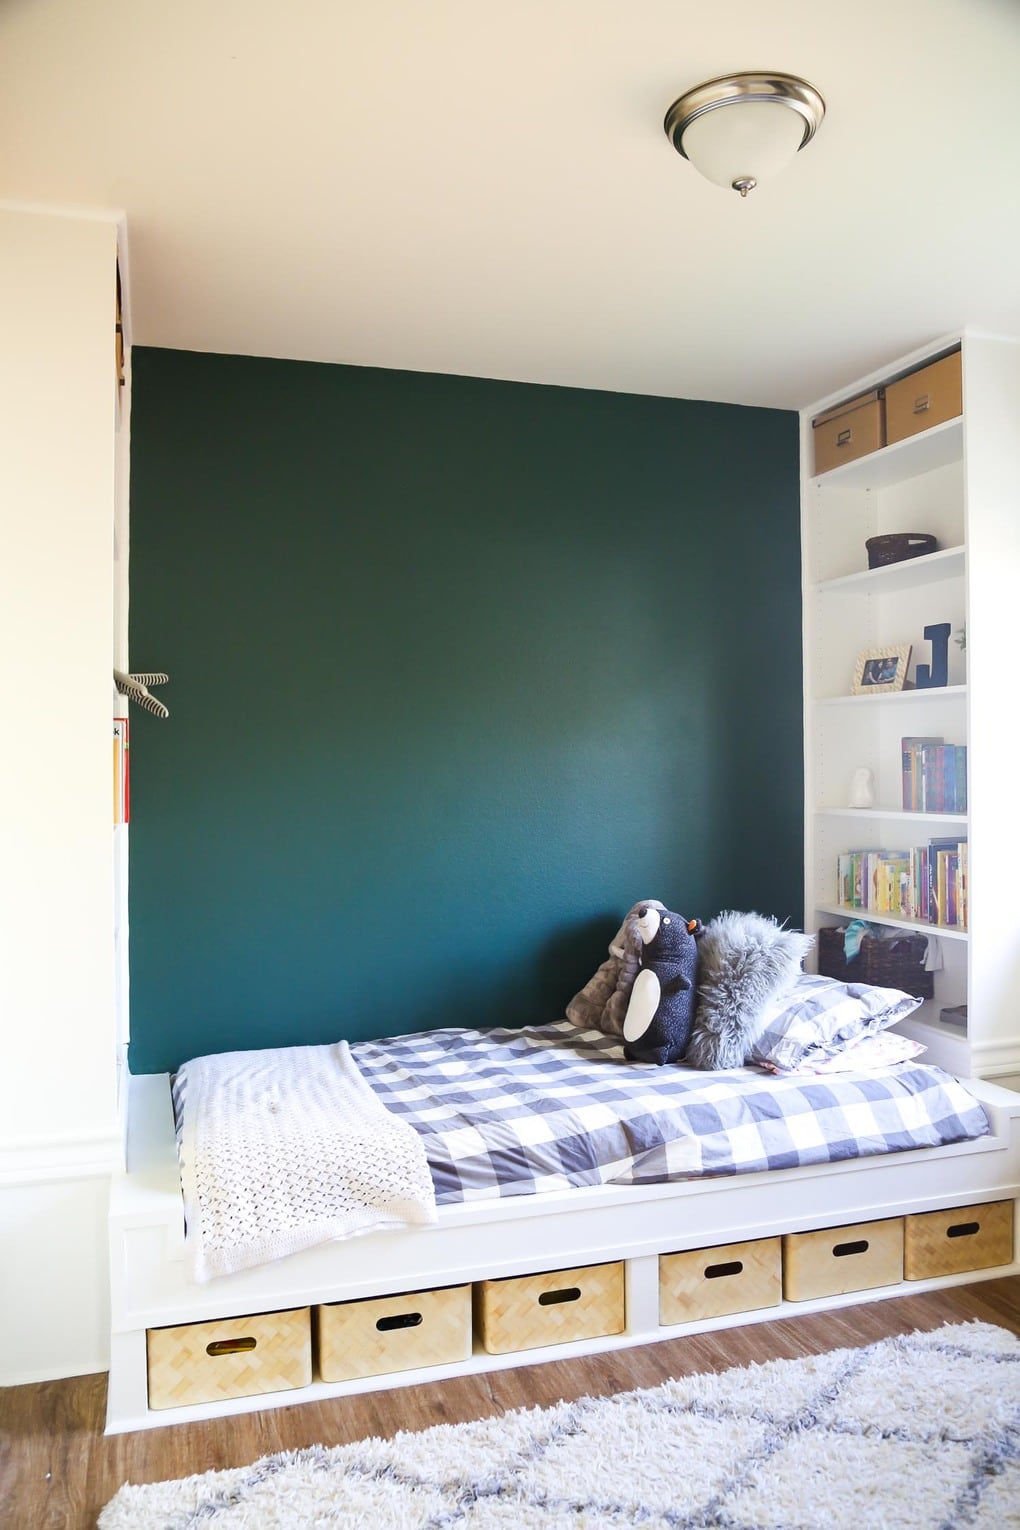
(880, 670)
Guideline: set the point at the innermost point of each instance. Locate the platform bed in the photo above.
(618, 1232)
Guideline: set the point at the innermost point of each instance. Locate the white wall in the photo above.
(59, 1135)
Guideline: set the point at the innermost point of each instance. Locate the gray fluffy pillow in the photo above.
(744, 961)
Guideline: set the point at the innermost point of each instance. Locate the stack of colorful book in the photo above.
(934, 776)
(940, 879)
(927, 883)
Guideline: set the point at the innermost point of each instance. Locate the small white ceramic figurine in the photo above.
(862, 788)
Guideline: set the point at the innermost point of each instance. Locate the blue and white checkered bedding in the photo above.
(505, 1112)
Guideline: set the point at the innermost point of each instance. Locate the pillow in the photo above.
(882, 1050)
(820, 1017)
(744, 961)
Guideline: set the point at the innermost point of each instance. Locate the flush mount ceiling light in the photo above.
(742, 128)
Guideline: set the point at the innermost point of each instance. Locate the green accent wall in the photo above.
(459, 670)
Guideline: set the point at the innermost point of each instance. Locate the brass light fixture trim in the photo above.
(767, 86)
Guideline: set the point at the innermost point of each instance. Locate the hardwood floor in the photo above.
(58, 1468)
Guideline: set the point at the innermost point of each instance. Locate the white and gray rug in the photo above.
(920, 1432)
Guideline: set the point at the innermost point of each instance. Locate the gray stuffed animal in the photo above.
(602, 1003)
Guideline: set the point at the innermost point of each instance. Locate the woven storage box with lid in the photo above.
(838, 1259)
(963, 1238)
(393, 1333)
(527, 1311)
(884, 963)
(231, 1357)
(711, 1282)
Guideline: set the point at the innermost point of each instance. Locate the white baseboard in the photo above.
(54, 1373)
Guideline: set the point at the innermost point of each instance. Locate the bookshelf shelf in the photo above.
(947, 563)
(894, 698)
(918, 820)
(925, 1026)
(844, 911)
(904, 459)
(948, 1046)
(951, 482)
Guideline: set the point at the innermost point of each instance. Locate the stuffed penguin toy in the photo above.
(661, 1008)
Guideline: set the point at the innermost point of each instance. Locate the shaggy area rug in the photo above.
(917, 1431)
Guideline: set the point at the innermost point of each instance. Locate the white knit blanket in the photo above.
(285, 1148)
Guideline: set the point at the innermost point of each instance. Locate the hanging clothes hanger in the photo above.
(136, 688)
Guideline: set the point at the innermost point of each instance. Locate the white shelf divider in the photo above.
(873, 916)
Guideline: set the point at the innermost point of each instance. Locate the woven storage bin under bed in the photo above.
(884, 963)
(527, 1311)
(834, 1260)
(383, 1334)
(230, 1357)
(963, 1238)
(712, 1282)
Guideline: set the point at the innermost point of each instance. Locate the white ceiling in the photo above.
(484, 186)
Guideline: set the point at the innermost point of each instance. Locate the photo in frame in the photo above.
(881, 669)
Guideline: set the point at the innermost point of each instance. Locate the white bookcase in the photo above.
(961, 481)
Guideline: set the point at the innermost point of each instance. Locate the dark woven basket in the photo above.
(885, 963)
(898, 546)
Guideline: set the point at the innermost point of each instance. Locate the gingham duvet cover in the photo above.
(519, 1112)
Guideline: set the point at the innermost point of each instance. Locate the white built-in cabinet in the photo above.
(121, 549)
(63, 497)
(961, 481)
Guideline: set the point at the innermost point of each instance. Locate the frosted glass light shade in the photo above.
(743, 141)
(742, 128)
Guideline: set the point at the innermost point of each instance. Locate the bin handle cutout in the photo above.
(230, 1346)
(733, 1267)
(568, 1294)
(963, 1229)
(858, 1247)
(398, 1320)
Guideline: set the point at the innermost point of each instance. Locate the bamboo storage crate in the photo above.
(839, 1259)
(963, 1238)
(383, 1334)
(527, 1311)
(712, 1282)
(232, 1357)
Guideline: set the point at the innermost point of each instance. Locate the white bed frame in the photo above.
(151, 1284)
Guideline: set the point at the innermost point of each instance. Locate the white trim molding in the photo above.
(52, 1159)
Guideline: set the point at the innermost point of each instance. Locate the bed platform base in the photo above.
(638, 1228)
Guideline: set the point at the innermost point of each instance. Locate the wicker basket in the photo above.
(835, 1260)
(528, 1311)
(963, 1238)
(885, 963)
(712, 1282)
(231, 1357)
(383, 1334)
(898, 546)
